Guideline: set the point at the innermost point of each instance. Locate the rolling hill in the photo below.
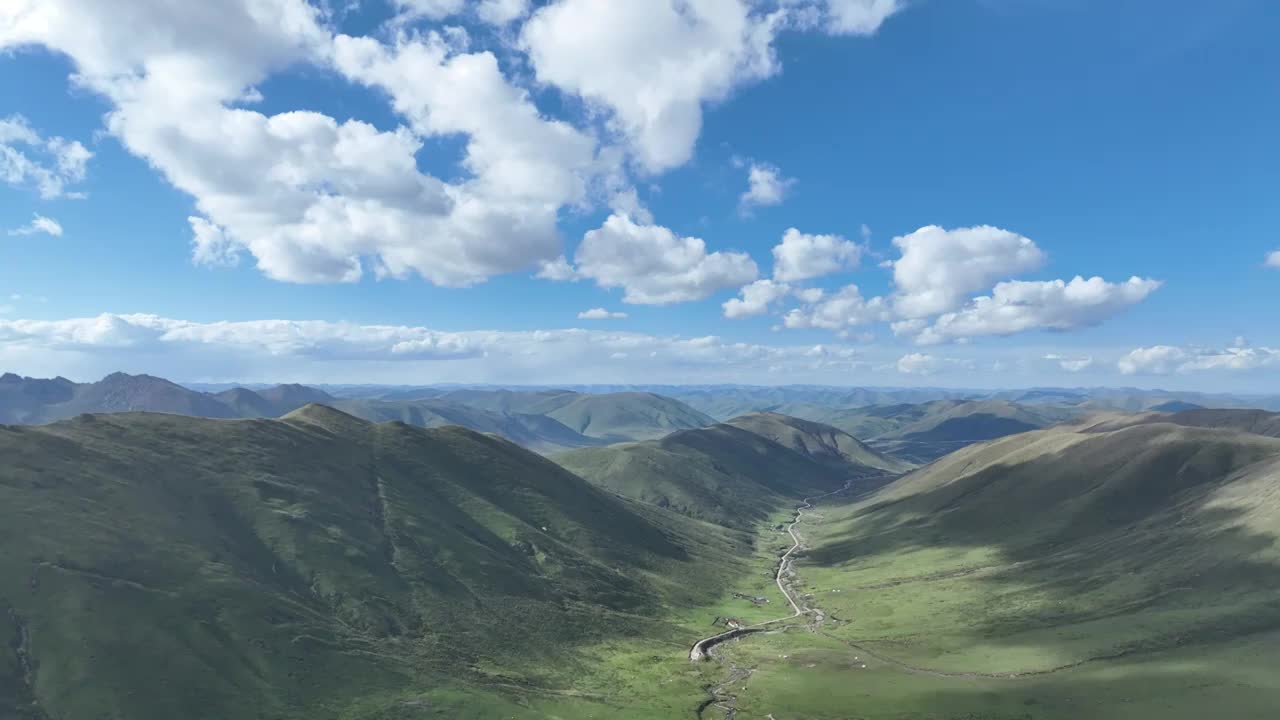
(622, 416)
(1257, 422)
(1064, 557)
(735, 473)
(535, 432)
(316, 566)
(923, 432)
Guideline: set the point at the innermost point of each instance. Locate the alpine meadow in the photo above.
(639, 359)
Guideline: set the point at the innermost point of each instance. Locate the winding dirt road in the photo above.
(701, 649)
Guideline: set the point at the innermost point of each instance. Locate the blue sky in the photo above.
(445, 151)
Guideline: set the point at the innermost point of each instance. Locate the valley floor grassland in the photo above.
(906, 636)
(963, 633)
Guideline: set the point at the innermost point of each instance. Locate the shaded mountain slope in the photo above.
(1257, 422)
(725, 473)
(119, 392)
(1056, 547)
(183, 567)
(622, 416)
(536, 432)
(823, 443)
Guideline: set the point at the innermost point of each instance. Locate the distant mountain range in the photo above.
(544, 421)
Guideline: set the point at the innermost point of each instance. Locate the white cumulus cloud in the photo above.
(654, 266)
(940, 268)
(922, 364)
(1018, 306)
(1273, 260)
(311, 198)
(801, 256)
(766, 186)
(652, 64)
(755, 299)
(1166, 359)
(39, 224)
(840, 310)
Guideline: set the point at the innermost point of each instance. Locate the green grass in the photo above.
(1052, 576)
(821, 679)
(323, 567)
(165, 566)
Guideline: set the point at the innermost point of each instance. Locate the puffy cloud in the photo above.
(1071, 363)
(600, 314)
(28, 159)
(919, 364)
(1157, 359)
(809, 295)
(39, 224)
(512, 151)
(765, 186)
(1165, 359)
(559, 270)
(844, 17)
(652, 63)
(316, 351)
(1015, 307)
(502, 12)
(841, 310)
(801, 256)
(756, 299)
(939, 268)
(311, 198)
(655, 266)
(1273, 260)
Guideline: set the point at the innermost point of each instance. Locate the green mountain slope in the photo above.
(165, 566)
(622, 416)
(820, 442)
(536, 432)
(1257, 422)
(1059, 547)
(923, 432)
(119, 392)
(735, 473)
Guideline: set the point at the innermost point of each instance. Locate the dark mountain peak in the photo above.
(10, 379)
(122, 378)
(237, 393)
(294, 393)
(325, 417)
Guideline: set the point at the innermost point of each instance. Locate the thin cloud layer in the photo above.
(39, 225)
(1168, 359)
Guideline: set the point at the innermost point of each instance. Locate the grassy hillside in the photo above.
(536, 432)
(923, 432)
(734, 474)
(1257, 422)
(318, 566)
(820, 442)
(1050, 575)
(622, 416)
